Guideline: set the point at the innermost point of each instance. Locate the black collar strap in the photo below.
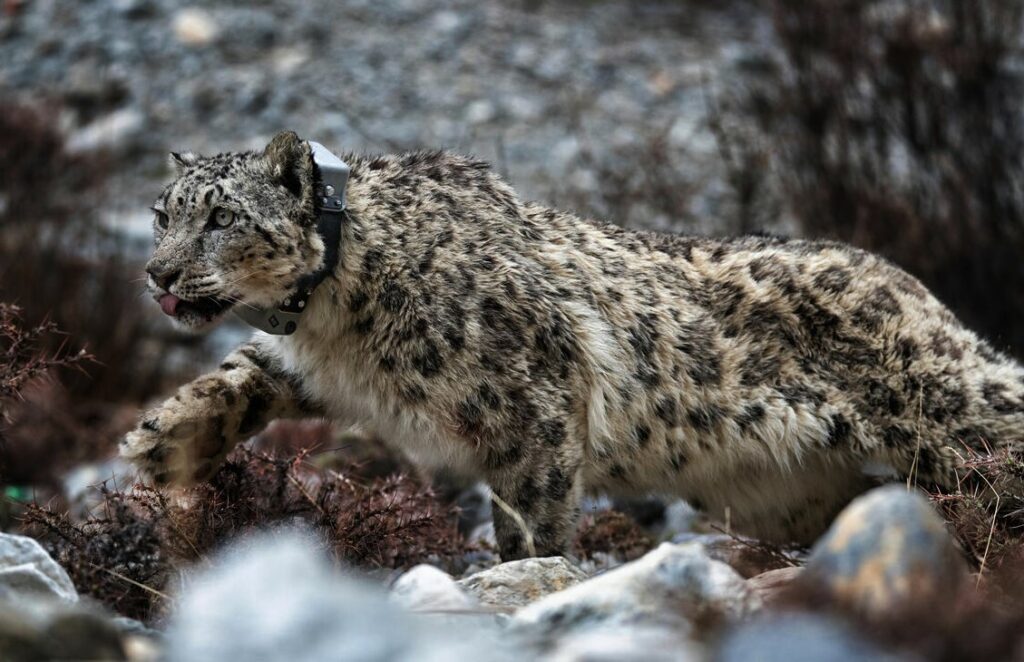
(284, 319)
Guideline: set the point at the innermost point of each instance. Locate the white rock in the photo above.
(521, 582)
(679, 518)
(426, 588)
(627, 644)
(770, 584)
(115, 131)
(480, 111)
(81, 484)
(27, 571)
(484, 533)
(194, 27)
(277, 599)
(672, 586)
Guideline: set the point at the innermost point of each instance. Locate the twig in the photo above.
(912, 475)
(150, 589)
(520, 522)
(760, 547)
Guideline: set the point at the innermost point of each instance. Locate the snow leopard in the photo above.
(765, 380)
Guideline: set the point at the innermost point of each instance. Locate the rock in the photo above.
(746, 556)
(627, 644)
(769, 584)
(49, 630)
(673, 585)
(276, 598)
(132, 628)
(518, 583)
(81, 634)
(480, 111)
(194, 27)
(886, 550)
(798, 638)
(426, 588)
(679, 518)
(142, 649)
(81, 484)
(474, 506)
(134, 9)
(483, 534)
(115, 132)
(27, 572)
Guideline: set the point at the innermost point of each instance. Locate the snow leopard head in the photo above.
(236, 229)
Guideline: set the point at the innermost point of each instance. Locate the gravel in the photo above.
(550, 92)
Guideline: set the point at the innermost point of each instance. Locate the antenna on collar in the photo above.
(283, 320)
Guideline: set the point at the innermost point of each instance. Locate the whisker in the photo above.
(241, 278)
(237, 301)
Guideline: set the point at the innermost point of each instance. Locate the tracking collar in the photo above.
(330, 204)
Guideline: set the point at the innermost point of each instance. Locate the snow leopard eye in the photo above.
(162, 220)
(222, 218)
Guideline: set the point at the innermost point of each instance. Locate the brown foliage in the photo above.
(23, 353)
(614, 533)
(897, 128)
(128, 555)
(986, 510)
(60, 263)
(24, 360)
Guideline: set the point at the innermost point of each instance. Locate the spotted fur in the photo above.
(765, 380)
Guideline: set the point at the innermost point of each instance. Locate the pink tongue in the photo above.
(169, 304)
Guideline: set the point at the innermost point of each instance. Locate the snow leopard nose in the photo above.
(162, 277)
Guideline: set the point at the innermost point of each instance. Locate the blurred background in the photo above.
(895, 125)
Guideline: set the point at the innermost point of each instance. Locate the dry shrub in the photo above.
(25, 359)
(59, 262)
(64, 268)
(614, 533)
(897, 128)
(328, 447)
(986, 510)
(24, 356)
(129, 554)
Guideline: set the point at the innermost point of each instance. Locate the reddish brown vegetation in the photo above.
(612, 532)
(986, 511)
(130, 553)
(63, 268)
(26, 359)
(60, 263)
(897, 128)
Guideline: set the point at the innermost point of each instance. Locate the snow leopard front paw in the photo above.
(185, 439)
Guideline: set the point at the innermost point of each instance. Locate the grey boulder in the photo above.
(277, 598)
(28, 572)
(518, 583)
(798, 638)
(887, 550)
(675, 586)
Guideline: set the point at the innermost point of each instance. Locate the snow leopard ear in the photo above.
(290, 161)
(182, 161)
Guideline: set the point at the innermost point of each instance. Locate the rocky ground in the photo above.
(566, 97)
(274, 596)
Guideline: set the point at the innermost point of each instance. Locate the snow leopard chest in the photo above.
(334, 378)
